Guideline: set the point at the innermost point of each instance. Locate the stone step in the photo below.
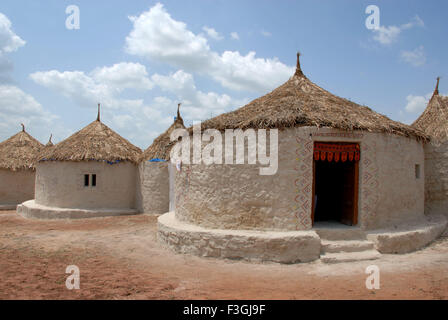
(328, 246)
(341, 233)
(350, 256)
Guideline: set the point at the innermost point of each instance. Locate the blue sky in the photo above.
(140, 58)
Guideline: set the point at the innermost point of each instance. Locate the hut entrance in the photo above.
(335, 185)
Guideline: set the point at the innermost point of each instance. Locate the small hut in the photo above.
(434, 122)
(344, 171)
(156, 175)
(17, 169)
(91, 173)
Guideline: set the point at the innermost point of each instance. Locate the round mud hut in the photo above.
(340, 171)
(92, 173)
(17, 169)
(155, 180)
(434, 122)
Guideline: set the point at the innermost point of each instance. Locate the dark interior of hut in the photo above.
(334, 193)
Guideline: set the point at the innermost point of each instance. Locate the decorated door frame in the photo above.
(337, 151)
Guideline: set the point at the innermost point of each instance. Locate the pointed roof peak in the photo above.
(436, 90)
(161, 146)
(50, 143)
(298, 68)
(23, 127)
(178, 117)
(98, 116)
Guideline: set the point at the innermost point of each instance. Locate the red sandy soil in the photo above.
(119, 258)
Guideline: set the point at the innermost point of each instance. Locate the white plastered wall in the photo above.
(16, 186)
(153, 187)
(436, 178)
(61, 184)
(237, 197)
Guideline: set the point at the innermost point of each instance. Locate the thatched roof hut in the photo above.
(94, 142)
(19, 151)
(155, 179)
(161, 147)
(333, 162)
(92, 173)
(434, 120)
(17, 169)
(300, 102)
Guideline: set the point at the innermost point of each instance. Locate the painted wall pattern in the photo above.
(369, 184)
(304, 181)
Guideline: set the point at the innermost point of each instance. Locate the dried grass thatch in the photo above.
(434, 120)
(19, 151)
(94, 142)
(161, 147)
(300, 102)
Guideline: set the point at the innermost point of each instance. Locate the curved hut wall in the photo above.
(434, 122)
(62, 184)
(17, 170)
(155, 179)
(238, 197)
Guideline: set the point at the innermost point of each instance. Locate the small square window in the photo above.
(93, 180)
(417, 171)
(86, 180)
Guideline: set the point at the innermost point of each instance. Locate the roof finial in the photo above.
(23, 127)
(298, 69)
(436, 90)
(49, 140)
(178, 113)
(98, 117)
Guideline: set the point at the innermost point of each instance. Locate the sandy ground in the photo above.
(119, 258)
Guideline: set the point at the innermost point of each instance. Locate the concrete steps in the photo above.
(338, 257)
(341, 243)
(328, 246)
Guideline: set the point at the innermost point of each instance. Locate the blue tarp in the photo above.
(157, 160)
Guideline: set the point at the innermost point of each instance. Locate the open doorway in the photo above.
(335, 185)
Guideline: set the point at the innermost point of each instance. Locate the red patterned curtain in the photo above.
(337, 152)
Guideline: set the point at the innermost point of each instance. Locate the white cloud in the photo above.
(17, 107)
(417, 104)
(389, 34)
(196, 105)
(416, 57)
(265, 33)
(9, 41)
(124, 75)
(234, 36)
(134, 118)
(156, 35)
(101, 85)
(212, 33)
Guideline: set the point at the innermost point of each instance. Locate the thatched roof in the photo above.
(161, 147)
(19, 151)
(300, 102)
(94, 142)
(434, 120)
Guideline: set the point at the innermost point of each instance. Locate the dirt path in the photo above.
(119, 258)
